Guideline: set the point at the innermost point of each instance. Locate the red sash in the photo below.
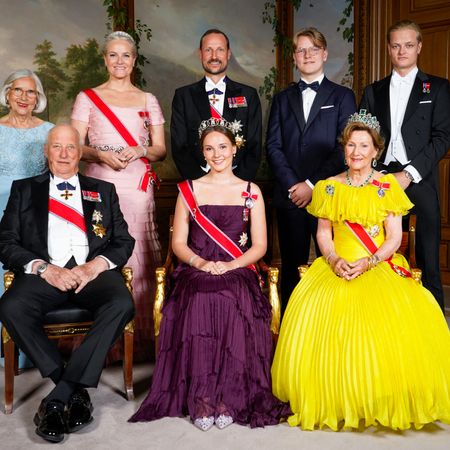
(366, 240)
(215, 233)
(214, 113)
(149, 175)
(67, 213)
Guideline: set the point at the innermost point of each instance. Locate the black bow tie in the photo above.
(65, 186)
(314, 85)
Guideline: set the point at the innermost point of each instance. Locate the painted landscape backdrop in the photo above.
(61, 40)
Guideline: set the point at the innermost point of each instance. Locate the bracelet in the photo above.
(373, 261)
(192, 259)
(145, 151)
(327, 259)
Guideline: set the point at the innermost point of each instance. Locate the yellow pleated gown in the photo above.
(374, 349)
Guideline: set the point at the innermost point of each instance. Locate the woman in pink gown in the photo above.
(110, 158)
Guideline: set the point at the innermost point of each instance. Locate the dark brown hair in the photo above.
(220, 129)
(214, 31)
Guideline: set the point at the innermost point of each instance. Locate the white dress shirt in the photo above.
(308, 96)
(65, 239)
(399, 92)
(220, 98)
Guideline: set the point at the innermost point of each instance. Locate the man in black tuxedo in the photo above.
(413, 109)
(64, 235)
(305, 122)
(215, 95)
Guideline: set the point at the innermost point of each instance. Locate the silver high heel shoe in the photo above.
(223, 421)
(204, 423)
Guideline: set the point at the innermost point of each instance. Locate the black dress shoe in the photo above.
(79, 411)
(50, 421)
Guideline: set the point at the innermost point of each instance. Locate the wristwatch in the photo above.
(408, 175)
(41, 268)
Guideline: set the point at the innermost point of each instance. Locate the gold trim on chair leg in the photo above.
(128, 349)
(128, 341)
(274, 300)
(160, 273)
(302, 270)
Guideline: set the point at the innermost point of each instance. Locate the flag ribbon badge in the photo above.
(237, 102)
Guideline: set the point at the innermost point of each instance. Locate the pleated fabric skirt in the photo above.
(375, 349)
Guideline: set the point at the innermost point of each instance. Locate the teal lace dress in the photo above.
(21, 156)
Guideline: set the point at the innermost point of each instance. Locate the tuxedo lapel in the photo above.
(383, 112)
(414, 98)
(296, 103)
(201, 101)
(40, 195)
(322, 95)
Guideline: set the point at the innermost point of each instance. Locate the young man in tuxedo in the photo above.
(64, 236)
(215, 95)
(305, 122)
(413, 109)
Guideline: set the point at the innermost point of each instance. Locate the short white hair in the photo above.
(41, 101)
(119, 35)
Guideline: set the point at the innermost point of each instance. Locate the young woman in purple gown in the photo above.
(215, 346)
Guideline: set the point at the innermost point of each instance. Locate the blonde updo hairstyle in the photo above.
(114, 36)
(377, 140)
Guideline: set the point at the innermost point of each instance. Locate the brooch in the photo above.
(249, 203)
(146, 116)
(237, 102)
(91, 196)
(374, 230)
(381, 187)
(243, 238)
(97, 226)
(329, 189)
(426, 87)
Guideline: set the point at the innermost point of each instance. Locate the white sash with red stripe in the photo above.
(369, 244)
(66, 213)
(149, 175)
(215, 233)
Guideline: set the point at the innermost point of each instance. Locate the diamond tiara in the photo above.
(235, 127)
(366, 118)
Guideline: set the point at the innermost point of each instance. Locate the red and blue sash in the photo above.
(149, 175)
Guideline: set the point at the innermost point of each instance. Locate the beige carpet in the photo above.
(111, 431)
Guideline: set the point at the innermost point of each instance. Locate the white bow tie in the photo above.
(210, 86)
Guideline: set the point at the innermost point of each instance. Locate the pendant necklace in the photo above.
(366, 181)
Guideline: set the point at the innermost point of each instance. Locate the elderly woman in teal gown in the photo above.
(22, 138)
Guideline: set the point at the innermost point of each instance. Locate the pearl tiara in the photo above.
(235, 127)
(366, 118)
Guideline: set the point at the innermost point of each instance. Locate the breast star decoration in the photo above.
(243, 238)
(97, 226)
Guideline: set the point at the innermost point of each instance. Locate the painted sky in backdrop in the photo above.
(176, 26)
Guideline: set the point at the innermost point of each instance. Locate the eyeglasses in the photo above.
(311, 50)
(18, 92)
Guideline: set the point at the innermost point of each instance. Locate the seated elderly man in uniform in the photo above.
(64, 236)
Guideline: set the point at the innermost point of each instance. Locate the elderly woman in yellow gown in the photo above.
(360, 339)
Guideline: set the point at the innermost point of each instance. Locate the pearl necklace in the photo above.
(366, 181)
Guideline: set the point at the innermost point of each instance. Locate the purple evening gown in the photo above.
(215, 347)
